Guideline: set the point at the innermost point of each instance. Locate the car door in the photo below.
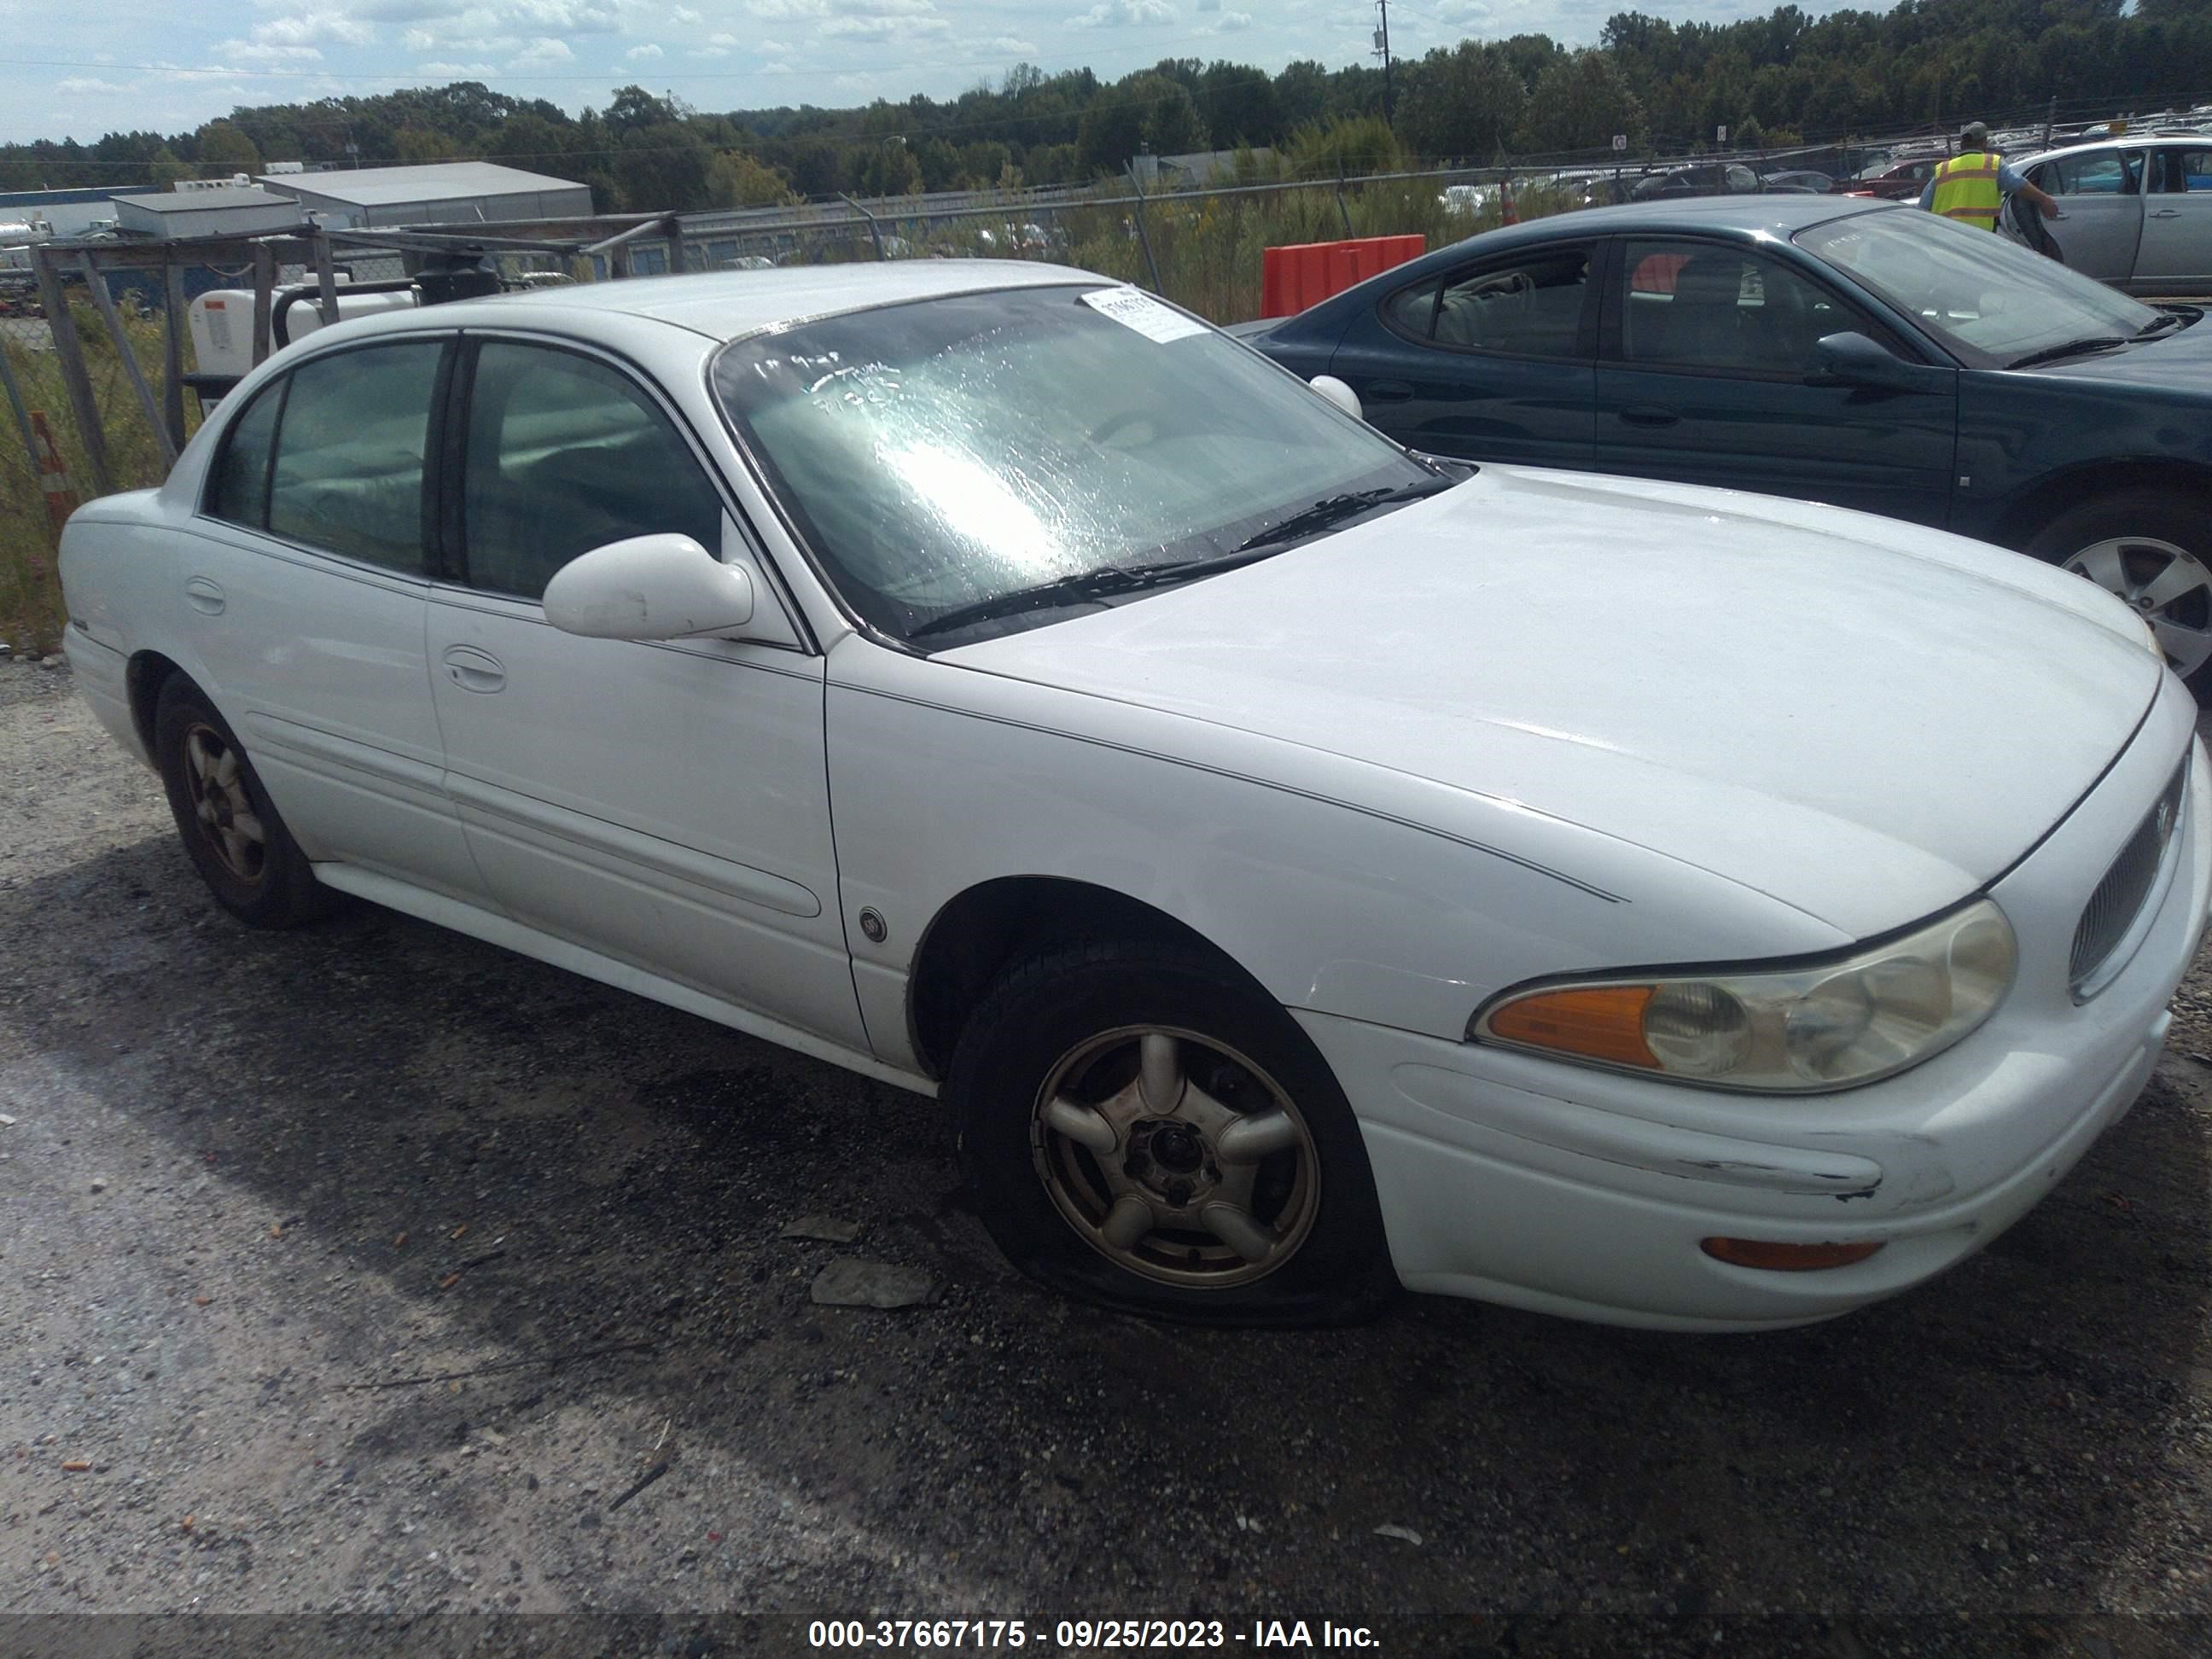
(304, 597)
(665, 805)
(1708, 376)
(1491, 360)
(2100, 210)
(2175, 255)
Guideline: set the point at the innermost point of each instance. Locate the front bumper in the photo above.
(1570, 1190)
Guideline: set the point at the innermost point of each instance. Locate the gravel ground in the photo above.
(367, 1270)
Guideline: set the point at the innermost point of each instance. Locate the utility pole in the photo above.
(1382, 50)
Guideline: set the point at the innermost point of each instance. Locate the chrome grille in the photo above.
(2119, 897)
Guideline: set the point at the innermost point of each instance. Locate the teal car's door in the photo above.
(1708, 374)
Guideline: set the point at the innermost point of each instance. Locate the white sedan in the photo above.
(1301, 870)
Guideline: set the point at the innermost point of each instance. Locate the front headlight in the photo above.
(1797, 1029)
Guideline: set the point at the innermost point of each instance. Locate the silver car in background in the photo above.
(2136, 212)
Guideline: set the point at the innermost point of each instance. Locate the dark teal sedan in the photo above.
(1864, 353)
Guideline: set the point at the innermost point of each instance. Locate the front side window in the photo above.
(2095, 173)
(948, 453)
(2185, 172)
(1988, 298)
(565, 454)
(1532, 308)
(1703, 306)
(349, 473)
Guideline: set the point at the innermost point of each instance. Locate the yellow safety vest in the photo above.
(1966, 188)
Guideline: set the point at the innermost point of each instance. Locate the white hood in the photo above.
(1861, 719)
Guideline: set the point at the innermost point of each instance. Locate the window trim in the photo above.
(1610, 356)
(454, 460)
(448, 343)
(1585, 351)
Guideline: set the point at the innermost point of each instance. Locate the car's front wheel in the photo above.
(1143, 1128)
(2152, 549)
(231, 831)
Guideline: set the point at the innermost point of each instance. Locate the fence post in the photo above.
(1342, 212)
(1144, 235)
(152, 409)
(68, 354)
(174, 314)
(673, 227)
(264, 297)
(874, 229)
(327, 279)
(22, 411)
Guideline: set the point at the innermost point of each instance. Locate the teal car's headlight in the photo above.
(1796, 1030)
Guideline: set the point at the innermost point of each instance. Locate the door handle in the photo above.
(473, 670)
(203, 595)
(2168, 213)
(1388, 391)
(1649, 415)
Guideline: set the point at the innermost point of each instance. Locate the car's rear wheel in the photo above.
(231, 831)
(2152, 549)
(1143, 1128)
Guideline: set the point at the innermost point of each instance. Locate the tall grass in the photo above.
(31, 614)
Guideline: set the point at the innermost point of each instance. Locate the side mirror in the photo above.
(1340, 394)
(649, 587)
(1854, 359)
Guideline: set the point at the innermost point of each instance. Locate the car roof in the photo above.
(2122, 141)
(724, 305)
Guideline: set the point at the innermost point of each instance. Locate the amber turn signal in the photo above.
(1788, 1258)
(1606, 1024)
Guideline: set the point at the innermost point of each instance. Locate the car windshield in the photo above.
(1989, 299)
(943, 454)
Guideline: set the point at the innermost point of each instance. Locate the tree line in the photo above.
(1667, 86)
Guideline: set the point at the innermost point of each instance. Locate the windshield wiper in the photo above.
(1061, 590)
(2164, 319)
(1334, 509)
(2052, 354)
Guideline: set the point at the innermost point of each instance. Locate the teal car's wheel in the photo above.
(2153, 549)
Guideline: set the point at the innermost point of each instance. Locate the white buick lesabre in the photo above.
(1301, 870)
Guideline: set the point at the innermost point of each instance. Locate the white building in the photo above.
(442, 192)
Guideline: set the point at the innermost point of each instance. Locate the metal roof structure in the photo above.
(437, 191)
(201, 201)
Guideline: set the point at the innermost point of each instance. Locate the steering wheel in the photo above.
(1135, 423)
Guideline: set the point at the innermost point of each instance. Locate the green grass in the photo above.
(31, 615)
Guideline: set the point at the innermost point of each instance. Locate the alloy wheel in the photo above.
(2167, 586)
(1175, 1158)
(227, 820)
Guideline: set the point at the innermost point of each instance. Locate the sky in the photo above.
(75, 71)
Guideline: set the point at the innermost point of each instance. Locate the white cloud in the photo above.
(685, 14)
(80, 83)
(881, 28)
(731, 40)
(300, 31)
(640, 53)
(1233, 20)
(766, 48)
(1207, 5)
(456, 71)
(255, 51)
(1010, 46)
(1121, 13)
(1463, 11)
(543, 49)
(788, 8)
(708, 52)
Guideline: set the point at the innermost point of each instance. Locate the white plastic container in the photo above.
(221, 323)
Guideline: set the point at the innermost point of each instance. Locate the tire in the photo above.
(231, 830)
(1060, 1130)
(2152, 549)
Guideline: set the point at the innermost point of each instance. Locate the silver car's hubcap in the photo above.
(1175, 1158)
(226, 819)
(2167, 587)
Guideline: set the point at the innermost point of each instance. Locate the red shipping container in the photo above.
(1306, 273)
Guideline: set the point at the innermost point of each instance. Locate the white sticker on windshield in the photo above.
(1132, 309)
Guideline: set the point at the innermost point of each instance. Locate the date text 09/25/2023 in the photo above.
(1087, 1635)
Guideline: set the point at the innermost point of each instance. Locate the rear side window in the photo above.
(564, 455)
(1531, 306)
(239, 489)
(349, 473)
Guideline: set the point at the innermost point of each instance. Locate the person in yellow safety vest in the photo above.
(1972, 184)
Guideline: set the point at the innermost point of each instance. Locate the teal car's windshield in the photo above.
(943, 454)
(1989, 299)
